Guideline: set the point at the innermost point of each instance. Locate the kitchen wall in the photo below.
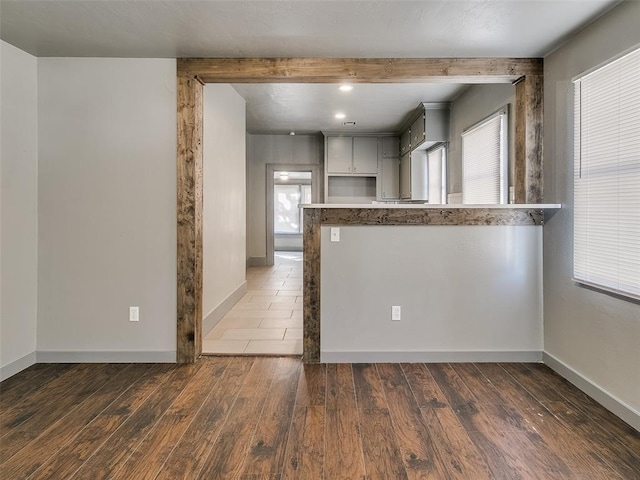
(475, 104)
(261, 150)
(18, 209)
(224, 208)
(468, 293)
(106, 209)
(591, 337)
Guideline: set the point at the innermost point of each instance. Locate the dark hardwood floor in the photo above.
(274, 418)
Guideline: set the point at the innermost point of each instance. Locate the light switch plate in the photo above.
(335, 234)
(396, 313)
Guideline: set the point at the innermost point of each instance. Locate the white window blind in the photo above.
(607, 177)
(437, 160)
(484, 160)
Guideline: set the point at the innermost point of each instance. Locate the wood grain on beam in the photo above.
(528, 140)
(431, 216)
(359, 70)
(189, 213)
(311, 286)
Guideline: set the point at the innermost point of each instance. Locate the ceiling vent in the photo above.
(349, 124)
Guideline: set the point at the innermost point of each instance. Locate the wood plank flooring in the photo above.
(275, 418)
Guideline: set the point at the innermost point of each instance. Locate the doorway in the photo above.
(287, 186)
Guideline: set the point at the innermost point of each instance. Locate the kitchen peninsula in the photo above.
(468, 279)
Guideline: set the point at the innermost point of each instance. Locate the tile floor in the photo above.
(268, 319)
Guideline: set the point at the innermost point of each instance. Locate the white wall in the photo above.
(596, 336)
(224, 210)
(468, 293)
(475, 104)
(18, 209)
(107, 209)
(264, 149)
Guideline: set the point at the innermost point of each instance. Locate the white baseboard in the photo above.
(431, 357)
(17, 366)
(604, 398)
(106, 357)
(256, 261)
(220, 310)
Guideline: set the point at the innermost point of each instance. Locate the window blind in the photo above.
(484, 161)
(437, 159)
(607, 176)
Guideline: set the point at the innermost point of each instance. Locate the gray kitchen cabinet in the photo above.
(390, 147)
(339, 154)
(405, 176)
(390, 178)
(405, 142)
(430, 127)
(352, 155)
(418, 130)
(365, 155)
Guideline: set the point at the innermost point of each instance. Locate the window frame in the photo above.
(583, 271)
(503, 169)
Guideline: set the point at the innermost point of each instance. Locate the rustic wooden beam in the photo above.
(189, 213)
(528, 140)
(431, 216)
(358, 70)
(312, 235)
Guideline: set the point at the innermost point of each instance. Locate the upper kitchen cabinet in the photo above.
(405, 142)
(339, 154)
(430, 126)
(365, 155)
(352, 155)
(390, 147)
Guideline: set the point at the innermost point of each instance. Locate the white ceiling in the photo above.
(318, 28)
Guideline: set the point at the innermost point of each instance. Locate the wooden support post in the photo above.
(528, 140)
(311, 286)
(189, 213)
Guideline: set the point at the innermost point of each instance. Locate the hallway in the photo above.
(268, 319)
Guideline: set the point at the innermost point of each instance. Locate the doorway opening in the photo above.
(288, 186)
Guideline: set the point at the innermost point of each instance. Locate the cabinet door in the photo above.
(390, 178)
(405, 142)
(365, 155)
(417, 131)
(405, 176)
(339, 154)
(390, 147)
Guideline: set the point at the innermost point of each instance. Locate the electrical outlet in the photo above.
(335, 234)
(396, 313)
(134, 314)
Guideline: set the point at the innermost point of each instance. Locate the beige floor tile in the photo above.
(291, 288)
(286, 306)
(253, 334)
(293, 334)
(292, 283)
(261, 293)
(232, 322)
(284, 299)
(224, 346)
(283, 347)
(281, 323)
(262, 313)
(215, 333)
(256, 305)
(289, 293)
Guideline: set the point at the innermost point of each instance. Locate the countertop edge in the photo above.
(456, 206)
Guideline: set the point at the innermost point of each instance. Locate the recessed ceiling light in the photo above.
(345, 88)
(340, 115)
(292, 133)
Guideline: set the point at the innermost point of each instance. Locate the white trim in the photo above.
(600, 395)
(220, 310)
(106, 357)
(462, 356)
(17, 366)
